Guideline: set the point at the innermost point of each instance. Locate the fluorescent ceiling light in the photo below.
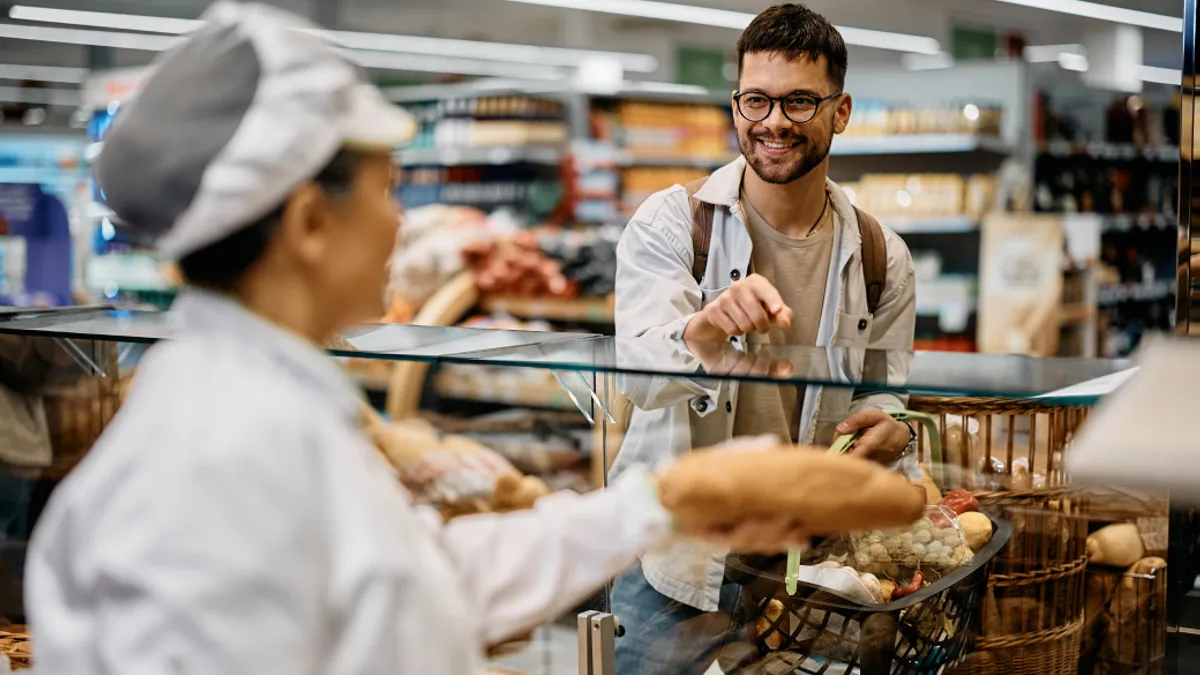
(1095, 10)
(1076, 62)
(387, 61)
(43, 73)
(149, 24)
(95, 38)
(648, 9)
(1161, 75)
(491, 51)
(407, 44)
(664, 88)
(725, 18)
(441, 64)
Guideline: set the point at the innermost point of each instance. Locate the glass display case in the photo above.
(996, 577)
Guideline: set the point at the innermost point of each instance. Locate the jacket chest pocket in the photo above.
(853, 330)
(707, 295)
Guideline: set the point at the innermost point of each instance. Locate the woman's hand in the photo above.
(451, 474)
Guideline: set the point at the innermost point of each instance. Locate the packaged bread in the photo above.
(933, 542)
(823, 494)
(458, 475)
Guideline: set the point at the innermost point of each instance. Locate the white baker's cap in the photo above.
(250, 106)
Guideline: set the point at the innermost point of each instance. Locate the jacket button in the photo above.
(735, 275)
(702, 406)
(862, 324)
(728, 406)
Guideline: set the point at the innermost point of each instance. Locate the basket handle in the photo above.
(844, 444)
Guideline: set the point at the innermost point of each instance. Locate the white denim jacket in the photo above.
(656, 296)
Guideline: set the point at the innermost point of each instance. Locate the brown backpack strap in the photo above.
(702, 223)
(874, 258)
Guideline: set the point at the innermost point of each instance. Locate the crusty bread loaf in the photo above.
(823, 494)
(402, 443)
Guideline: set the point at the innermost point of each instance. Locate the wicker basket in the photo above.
(15, 644)
(1126, 623)
(78, 413)
(1010, 453)
(1001, 444)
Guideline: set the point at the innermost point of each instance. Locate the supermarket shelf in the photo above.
(628, 160)
(918, 144)
(1125, 223)
(1111, 151)
(1076, 314)
(592, 310)
(478, 156)
(503, 387)
(1145, 292)
(939, 225)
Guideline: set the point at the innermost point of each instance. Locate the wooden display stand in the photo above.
(445, 308)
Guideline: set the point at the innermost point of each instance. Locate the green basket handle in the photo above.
(844, 444)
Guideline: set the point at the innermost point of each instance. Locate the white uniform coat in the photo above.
(233, 519)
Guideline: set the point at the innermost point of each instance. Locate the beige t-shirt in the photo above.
(799, 269)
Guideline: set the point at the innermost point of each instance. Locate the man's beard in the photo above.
(782, 170)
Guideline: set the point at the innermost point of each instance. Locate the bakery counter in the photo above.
(985, 435)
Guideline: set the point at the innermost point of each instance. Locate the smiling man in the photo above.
(765, 252)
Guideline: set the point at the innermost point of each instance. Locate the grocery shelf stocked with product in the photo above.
(1123, 167)
(489, 152)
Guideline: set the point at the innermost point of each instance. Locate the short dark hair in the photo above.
(796, 32)
(221, 265)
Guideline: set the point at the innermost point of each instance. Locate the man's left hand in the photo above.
(884, 438)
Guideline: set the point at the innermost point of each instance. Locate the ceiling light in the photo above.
(149, 24)
(43, 73)
(94, 38)
(725, 18)
(643, 87)
(648, 9)
(492, 51)
(1171, 76)
(1095, 10)
(382, 60)
(1075, 62)
(383, 42)
(440, 64)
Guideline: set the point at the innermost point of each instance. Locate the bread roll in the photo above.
(1119, 545)
(823, 494)
(514, 492)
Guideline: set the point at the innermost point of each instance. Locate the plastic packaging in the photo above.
(934, 542)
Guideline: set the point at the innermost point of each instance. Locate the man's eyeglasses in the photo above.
(756, 106)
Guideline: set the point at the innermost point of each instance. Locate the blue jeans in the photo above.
(667, 637)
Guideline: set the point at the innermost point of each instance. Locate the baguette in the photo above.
(822, 494)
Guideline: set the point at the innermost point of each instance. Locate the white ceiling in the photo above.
(502, 21)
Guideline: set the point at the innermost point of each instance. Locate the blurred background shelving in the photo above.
(559, 147)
